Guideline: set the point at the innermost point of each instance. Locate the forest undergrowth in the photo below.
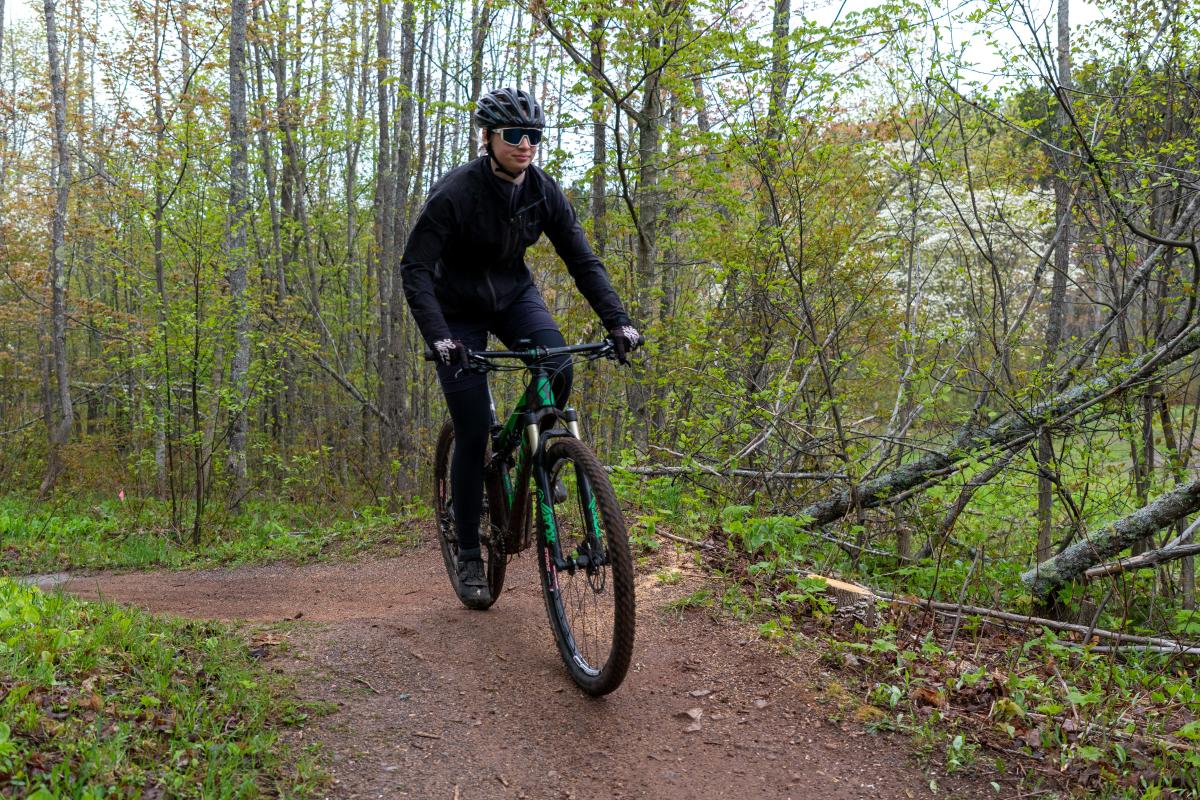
(102, 701)
(81, 532)
(1063, 711)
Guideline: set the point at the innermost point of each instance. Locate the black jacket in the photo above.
(466, 252)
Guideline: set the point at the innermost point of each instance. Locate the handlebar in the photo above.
(483, 359)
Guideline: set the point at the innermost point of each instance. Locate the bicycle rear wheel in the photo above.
(590, 602)
(490, 545)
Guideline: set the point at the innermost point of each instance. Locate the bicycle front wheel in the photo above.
(492, 550)
(588, 589)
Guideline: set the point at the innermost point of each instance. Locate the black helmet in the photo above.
(508, 108)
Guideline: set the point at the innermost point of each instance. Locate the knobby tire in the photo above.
(494, 561)
(591, 614)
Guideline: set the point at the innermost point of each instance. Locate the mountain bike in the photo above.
(582, 541)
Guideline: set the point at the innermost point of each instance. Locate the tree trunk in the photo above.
(1176, 461)
(280, 408)
(3, 127)
(780, 28)
(239, 211)
(599, 141)
(164, 451)
(395, 356)
(481, 22)
(1010, 430)
(1056, 315)
(384, 214)
(649, 207)
(1102, 545)
(60, 172)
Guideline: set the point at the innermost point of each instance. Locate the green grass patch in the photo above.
(101, 701)
(137, 534)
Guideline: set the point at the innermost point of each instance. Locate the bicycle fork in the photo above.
(590, 556)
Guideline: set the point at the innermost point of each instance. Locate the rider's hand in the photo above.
(625, 339)
(452, 352)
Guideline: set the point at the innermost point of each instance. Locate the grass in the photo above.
(110, 533)
(101, 701)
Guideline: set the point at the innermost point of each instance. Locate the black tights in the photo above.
(469, 409)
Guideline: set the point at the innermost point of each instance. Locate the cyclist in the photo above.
(465, 275)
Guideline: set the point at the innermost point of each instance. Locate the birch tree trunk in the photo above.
(60, 172)
(238, 214)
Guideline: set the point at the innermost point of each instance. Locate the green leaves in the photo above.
(776, 537)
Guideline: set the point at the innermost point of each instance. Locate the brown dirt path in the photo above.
(435, 701)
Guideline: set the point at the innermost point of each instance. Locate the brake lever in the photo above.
(478, 363)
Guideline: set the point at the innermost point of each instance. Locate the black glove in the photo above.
(625, 339)
(452, 352)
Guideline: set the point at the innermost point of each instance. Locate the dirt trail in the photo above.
(435, 701)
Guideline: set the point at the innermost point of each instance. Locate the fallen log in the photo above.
(1110, 540)
(1008, 431)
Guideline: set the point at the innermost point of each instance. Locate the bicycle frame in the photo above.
(526, 432)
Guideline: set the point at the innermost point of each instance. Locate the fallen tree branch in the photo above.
(952, 609)
(732, 473)
(1009, 431)
(1148, 648)
(1110, 540)
(699, 544)
(1144, 561)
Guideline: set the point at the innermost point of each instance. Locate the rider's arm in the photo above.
(566, 235)
(417, 267)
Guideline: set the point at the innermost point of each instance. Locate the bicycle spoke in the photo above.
(590, 601)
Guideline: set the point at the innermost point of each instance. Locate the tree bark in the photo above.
(393, 372)
(481, 22)
(164, 451)
(239, 212)
(279, 401)
(60, 172)
(1056, 316)
(384, 213)
(1110, 540)
(1010, 430)
(599, 141)
(5, 123)
(1145, 560)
